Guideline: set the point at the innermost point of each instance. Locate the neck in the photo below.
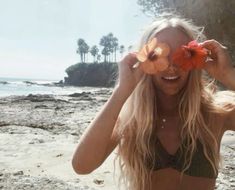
(167, 105)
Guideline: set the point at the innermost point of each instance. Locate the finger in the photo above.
(134, 53)
(138, 72)
(132, 59)
(212, 45)
(128, 61)
(210, 62)
(132, 56)
(212, 56)
(128, 58)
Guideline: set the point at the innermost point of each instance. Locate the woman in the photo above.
(167, 125)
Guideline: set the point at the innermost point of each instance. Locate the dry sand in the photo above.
(39, 133)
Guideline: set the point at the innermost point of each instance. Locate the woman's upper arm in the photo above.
(230, 120)
(225, 100)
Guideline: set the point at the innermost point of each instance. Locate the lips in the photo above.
(170, 78)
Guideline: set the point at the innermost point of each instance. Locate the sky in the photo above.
(38, 38)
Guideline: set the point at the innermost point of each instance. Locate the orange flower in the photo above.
(153, 57)
(192, 56)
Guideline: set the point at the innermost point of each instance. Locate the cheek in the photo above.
(185, 76)
(157, 81)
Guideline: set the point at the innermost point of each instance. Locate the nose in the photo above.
(172, 67)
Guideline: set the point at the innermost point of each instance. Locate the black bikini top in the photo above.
(200, 166)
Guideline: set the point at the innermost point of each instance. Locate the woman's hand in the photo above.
(128, 76)
(220, 65)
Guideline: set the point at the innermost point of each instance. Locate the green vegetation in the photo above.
(217, 16)
(109, 46)
(96, 73)
(92, 74)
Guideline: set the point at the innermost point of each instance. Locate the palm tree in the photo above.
(121, 50)
(94, 51)
(83, 49)
(105, 42)
(98, 58)
(86, 51)
(110, 45)
(81, 42)
(115, 47)
(130, 48)
(105, 52)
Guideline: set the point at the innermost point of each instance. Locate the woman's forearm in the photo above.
(93, 144)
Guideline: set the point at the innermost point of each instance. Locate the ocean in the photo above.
(17, 86)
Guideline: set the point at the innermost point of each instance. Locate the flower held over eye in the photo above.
(153, 57)
(192, 56)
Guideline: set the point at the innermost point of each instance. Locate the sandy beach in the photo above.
(39, 133)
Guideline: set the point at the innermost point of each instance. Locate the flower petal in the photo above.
(151, 45)
(148, 67)
(193, 44)
(142, 55)
(161, 64)
(162, 49)
(192, 56)
(181, 58)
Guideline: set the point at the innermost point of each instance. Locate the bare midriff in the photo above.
(169, 179)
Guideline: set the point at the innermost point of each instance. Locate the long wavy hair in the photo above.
(197, 108)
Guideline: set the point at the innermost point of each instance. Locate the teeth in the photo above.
(171, 78)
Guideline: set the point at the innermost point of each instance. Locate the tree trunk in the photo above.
(115, 56)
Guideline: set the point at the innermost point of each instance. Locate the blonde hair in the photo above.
(137, 118)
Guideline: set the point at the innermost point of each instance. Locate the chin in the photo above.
(171, 93)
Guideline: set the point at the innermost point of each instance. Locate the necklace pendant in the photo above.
(164, 121)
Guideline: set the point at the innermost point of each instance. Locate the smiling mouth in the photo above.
(171, 78)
